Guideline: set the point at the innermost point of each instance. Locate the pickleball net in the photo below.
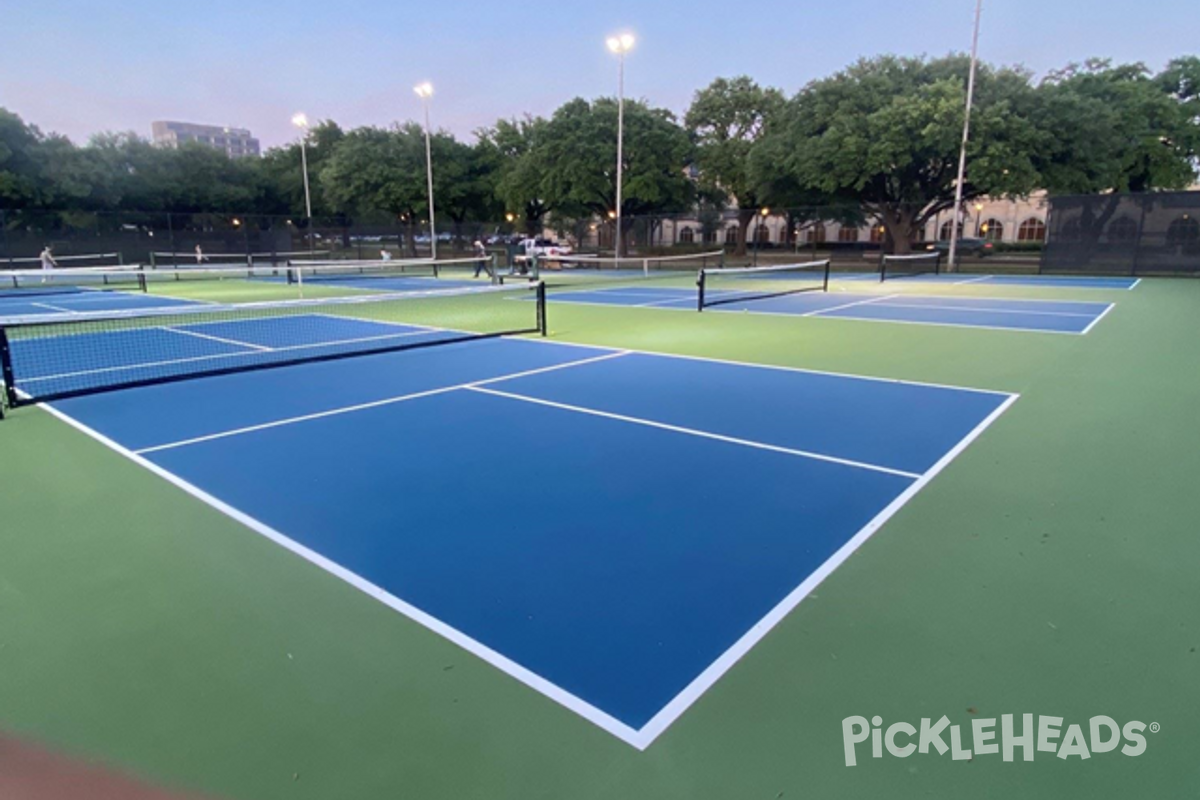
(54, 356)
(724, 286)
(189, 259)
(588, 270)
(909, 266)
(300, 271)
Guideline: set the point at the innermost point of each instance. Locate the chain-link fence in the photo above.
(1124, 234)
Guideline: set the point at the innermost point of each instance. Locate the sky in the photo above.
(79, 68)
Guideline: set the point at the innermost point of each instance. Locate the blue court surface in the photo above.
(1037, 281)
(31, 302)
(458, 485)
(1040, 316)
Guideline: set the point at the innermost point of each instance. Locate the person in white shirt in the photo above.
(482, 264)
(199, 255)
(385, 255)
(48, 261)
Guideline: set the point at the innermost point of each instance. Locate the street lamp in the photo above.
(763, 212)
(620, 45)
(425, 91)
(300, 120)
(966, 137)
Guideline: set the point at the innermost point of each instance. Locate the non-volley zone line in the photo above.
(484, 386)
(585, 406)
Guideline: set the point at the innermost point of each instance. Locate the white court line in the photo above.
(1133, 285)
(705, 680)
(220, 339)
(1096, 321)
(773, 367)
(979, 279)
(279, 423)
(640, 738)
(845, 462)
(979, 310)
(967, 326)
(821, 311)
(58, 309)
(193, 359)
(509, 667)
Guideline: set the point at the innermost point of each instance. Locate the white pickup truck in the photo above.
(544, 248)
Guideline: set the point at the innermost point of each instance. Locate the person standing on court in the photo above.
(482, 264)
(48, 261)
(199, 255)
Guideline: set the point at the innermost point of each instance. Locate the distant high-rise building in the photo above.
(235, 142)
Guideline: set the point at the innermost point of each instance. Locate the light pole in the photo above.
(620, 45)
(962, 155)
(300, 120)
(425, 91)
(764, 212)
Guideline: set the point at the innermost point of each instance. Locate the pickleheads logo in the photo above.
(901, 739)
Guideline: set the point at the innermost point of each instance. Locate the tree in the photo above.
(887, 132)
(726, 119)
(1118, 128)
(576, 155)
(19, 167)
(282, 172)
(380, 169)
(508, 147)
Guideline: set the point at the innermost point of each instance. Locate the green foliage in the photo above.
(879, 139)
(1119, 128)
(576, 156)
(887, 132)
(727, 119)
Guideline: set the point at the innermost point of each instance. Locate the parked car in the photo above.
(545, 248)
(980, 248)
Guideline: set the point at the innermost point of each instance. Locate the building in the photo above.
(235, 142)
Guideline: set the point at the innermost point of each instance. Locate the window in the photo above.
(991, 230)
(763, 235)
(847, 234)
(731, 235)
(944, 235)
(815, 234)
(686, 236)
(1032, 230)
(1122, 229)
(1183, 231)
(878, 232)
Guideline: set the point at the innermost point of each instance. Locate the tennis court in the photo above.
(1040, 316)
(618, 602)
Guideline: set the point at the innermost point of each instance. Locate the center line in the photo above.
(375, 404)
(693, 432)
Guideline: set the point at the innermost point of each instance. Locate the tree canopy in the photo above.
(879, 139)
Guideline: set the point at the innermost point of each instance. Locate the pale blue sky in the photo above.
(79, 67)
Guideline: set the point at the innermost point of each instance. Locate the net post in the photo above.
(882, 265)
(495, 270)
(141, 279)
(646, 267)
(700, 290)
(937, 264)
(541, 307)
(6, 370)
(825, 285)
